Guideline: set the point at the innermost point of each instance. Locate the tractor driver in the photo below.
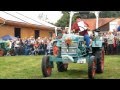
(80, 27)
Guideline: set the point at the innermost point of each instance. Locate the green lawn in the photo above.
(29, 67)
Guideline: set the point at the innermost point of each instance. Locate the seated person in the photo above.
(81, 27)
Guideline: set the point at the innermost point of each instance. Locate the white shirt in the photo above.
(82, 26)
(49, 45)
(17, 44)
(110, 39)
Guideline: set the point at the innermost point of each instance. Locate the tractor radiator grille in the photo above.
(71, 50)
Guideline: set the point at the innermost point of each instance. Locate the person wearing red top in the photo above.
(81, 27)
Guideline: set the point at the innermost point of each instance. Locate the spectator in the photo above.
(118, 42)
(17, 47)
(41, 48)
(49, 46)
(21, 47)
(110, 42)
(36, 48)
(105, 38)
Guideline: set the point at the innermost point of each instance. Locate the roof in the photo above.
(17, 17)
(116, 20)
(102, 21)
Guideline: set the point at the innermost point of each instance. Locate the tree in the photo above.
(109, 14)
(64, 20)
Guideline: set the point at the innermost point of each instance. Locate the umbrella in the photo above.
(8, 37)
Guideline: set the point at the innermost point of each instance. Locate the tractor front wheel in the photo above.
(91, 67)
(62, 67)
(46, 68)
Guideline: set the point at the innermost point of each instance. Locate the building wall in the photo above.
(113, 25)
(45, 33)
(6, 30)
(25, 32)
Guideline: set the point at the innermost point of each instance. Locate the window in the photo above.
(37, 32)
(17, 32)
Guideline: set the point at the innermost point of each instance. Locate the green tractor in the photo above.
(3, 48)
(71, 48)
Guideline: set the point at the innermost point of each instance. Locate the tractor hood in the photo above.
(72, 37)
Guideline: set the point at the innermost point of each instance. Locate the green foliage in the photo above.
(109, 14)
(64, 21)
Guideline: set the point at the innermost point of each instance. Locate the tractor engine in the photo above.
(70, 45)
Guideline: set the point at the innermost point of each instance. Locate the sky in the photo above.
(52, 16)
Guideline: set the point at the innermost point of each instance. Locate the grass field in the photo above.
(29, 67)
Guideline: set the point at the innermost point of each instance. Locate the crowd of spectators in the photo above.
(42, 46)
(30, 46)
(111, 42)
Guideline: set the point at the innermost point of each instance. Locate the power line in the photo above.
(31, 18)
(28, 17)
(16, 17)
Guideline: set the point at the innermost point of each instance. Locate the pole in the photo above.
(97, 16)
(56, 31)
(70, 21)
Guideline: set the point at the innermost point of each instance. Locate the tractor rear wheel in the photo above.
(100, 61)
(1, 52)
(62, 67)
(91, 67)
(46, 69)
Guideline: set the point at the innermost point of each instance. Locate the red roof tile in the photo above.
(102, 21)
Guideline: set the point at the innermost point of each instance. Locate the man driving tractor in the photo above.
(80, 27)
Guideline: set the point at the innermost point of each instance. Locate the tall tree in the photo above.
(64, 20)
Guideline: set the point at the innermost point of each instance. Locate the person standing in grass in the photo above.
(110, 42)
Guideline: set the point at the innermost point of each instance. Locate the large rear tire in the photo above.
(62, 67)
(91, 67)
(100, 61)
(46, 69)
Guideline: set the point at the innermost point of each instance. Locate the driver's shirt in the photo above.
(77, 27)
(81, 26)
